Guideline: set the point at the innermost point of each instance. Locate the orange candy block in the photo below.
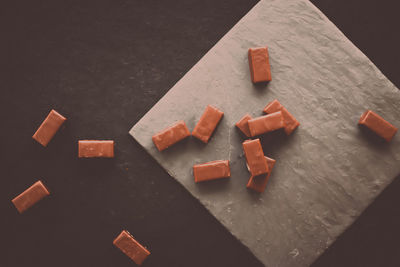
(378, 124)
(258, 183)
(49, 127)
(267, 123)
(171, 135)
(128, 245)
(211, 170)
(243, 125)
(207, 123)
(95, 148)
(255, 157)
(260, 69)
(30, 196)
(290, 121)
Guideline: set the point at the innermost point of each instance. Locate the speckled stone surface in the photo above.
(327, 172)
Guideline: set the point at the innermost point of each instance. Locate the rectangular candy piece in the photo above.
(378, 124)
(290, 121)
(255, 157)
(243, 125)
(96, 149)
(258, 183)
(259, 64)
(49, 127)
(171, 135)
(30, 196)
(267, 123)
(211, 170)
(207, 123)
(128, 245)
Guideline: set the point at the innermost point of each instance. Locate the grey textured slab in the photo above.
(327, 172)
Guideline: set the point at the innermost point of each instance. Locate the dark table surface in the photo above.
(103, 64)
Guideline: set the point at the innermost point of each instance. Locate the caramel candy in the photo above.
(171, 135)
(267, 123)
(211, 170)
(255, 157)
(49, 127)
(128, 245)
(243, 125)
(96, 149)
(258, 183)
(30, 196)
(207, 123)
(289, 120)
(259, 64)
(378, 124)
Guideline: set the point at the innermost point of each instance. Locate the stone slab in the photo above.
(326, 173)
